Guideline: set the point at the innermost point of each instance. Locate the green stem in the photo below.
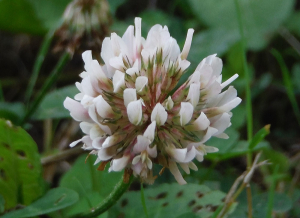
(107, 203)
(247, 79)
(48, 84)
(143, 200)
(271, 193)
(38, 63)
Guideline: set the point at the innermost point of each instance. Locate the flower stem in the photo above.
(48, 84)
(271, 193)
(38, 63)
(143, 200)
(247, 79)
(113, 197)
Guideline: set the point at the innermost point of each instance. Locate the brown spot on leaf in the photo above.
(165, 204)
(199, 194)
(161, 195)
(179, 194)
(1, 158)
(121, 215)
(124, 202)
(2, 174)
(30, 166)
(191, 203)
(197, 208)
(21, 153)
(5, 145)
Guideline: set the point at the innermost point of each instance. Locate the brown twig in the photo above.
(62, 155)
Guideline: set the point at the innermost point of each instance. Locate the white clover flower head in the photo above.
(128, 114)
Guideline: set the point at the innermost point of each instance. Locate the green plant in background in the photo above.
(229, 28)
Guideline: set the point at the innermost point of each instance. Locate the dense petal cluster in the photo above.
(129, 114)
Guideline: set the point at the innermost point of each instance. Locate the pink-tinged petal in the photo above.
(78, 96)
(134, 112)
(187, 44)
(87, 58)
(118, 81)
(141, 144)
(87, 143)
(137, 168)
(185, 167)
(77, 111)
(152, 151)
(112, 140)
(150, 131)
(201, 123)
(194, 94)
(230, 80)
(87, 101)
(140, 83)
(129, 95)
(106, 55)
(97, 142)
(159, 114)
(119, 164)
(186, 113)
(176, 173)
(103, 108)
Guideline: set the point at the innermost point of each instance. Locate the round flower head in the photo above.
(129, 114)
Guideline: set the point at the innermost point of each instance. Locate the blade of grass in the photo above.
(38, 63)
(272, 193)
(287, 83)
(247, 79)
(143, 200)
(259, 136)
(48, 84)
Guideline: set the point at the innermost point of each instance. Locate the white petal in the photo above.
(222, 123)
(176, 173)
(120, 163)
(210, 132)
(159, 114)
(210, 149)
(201, 123)
(230, 80)
(217, 65)
(136, 159)
(129, 95)
(86, 127)
(190, 155)
(150, 131)
(187, 44)
(103, 108)
(138, 33)
(230, 105)
(152, 151)
(186, 113)
(194, 94)
(140, 83)
(185, 167)
(178, 154)
(107, 153)
(149, 163)
(134, 112)
(96, 132)
(77, 111)
(98, 142)
(141, 144)
(118, 81)
(193, 166)
(75, 143)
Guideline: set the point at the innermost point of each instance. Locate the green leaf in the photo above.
(259, 136)
(55, 199)
(170, 200)
(91, 185)
(282, 203)
(293, 23)
(232, 147)
(260, 19)
(31, 16)
(20, 166)
(52, 105)
(12, 111)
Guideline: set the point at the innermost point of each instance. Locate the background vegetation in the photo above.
(36, 162)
